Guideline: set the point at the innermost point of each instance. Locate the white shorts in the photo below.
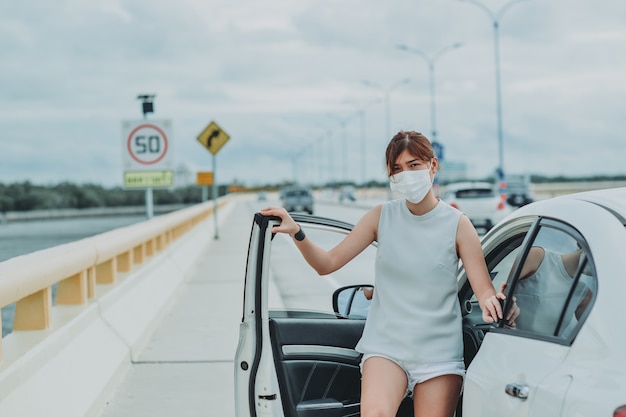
(420, 372)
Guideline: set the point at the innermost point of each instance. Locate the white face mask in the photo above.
(412, 185)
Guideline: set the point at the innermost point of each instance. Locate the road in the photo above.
(186, 368)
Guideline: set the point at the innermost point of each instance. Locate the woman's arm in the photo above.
(471, 253)
(325, 262)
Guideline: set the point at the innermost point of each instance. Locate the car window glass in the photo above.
(295, 286)
(475, 193)
(554, 286)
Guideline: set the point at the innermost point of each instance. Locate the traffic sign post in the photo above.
(147, 156)
(213, 138)
(204, 179)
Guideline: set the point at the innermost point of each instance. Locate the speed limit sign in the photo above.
(146, 145)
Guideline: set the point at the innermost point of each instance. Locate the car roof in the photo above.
(294, 188)
(468, 184)
(612, 199)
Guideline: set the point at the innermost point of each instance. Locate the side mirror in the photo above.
(352, 302)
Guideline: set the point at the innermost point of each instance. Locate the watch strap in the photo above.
(299, 235)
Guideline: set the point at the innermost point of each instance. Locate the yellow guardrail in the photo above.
(78, 267)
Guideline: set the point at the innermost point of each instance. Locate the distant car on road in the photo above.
(347, 193)
(518, 190)
(480, 201)
(297, 198)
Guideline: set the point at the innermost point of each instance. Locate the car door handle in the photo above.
(517, 390)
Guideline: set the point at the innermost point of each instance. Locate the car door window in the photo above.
(552, 283)
(500, 262)
(295, 286)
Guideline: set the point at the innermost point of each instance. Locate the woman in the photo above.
(412, 342)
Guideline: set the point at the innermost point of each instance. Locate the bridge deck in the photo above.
(186, 368)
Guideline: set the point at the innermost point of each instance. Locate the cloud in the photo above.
(270, 73)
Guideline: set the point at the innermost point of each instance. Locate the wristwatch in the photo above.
(299, 235)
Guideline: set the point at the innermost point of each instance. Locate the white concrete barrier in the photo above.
(71, 367)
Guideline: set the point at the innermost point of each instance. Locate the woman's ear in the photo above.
(434, 165)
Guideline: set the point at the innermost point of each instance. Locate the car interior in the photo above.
(324, 380)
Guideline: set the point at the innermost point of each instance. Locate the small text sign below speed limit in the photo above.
(145, 179)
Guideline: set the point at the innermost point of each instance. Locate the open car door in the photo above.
(296, 355)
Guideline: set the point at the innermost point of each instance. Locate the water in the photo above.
(20, 238)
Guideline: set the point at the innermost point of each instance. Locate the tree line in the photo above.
(25, 196)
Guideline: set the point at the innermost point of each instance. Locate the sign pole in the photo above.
(215, 197)
(213, 138)
(149, 196)
(149, 203)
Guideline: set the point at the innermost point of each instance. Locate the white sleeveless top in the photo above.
(415, 315)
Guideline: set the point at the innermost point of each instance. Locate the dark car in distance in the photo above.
(297, 199)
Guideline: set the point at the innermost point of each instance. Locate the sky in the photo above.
(288, 81)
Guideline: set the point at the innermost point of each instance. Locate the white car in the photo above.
(480, 201)
(564, 357)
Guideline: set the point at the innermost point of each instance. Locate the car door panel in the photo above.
(507, 360)
(317, 366)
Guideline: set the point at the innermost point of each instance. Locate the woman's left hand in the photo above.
(492, 310)
(287, 224)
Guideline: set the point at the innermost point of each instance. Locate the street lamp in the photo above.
(299, 165)
(343, 122)
(331, 160)
(496, 52)
(386, 92)
(430, 60)
(361, 112)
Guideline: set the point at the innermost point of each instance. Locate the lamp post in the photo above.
(344, 142)
(495, 18)
(331, 159)
(361, 112)
(386, 92)
(298, 166)
(430, 60)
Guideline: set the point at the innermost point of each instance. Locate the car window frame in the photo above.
(513, 279)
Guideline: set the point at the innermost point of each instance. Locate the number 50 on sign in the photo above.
(146, 145)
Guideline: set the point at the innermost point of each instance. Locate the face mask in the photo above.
(412, 185)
